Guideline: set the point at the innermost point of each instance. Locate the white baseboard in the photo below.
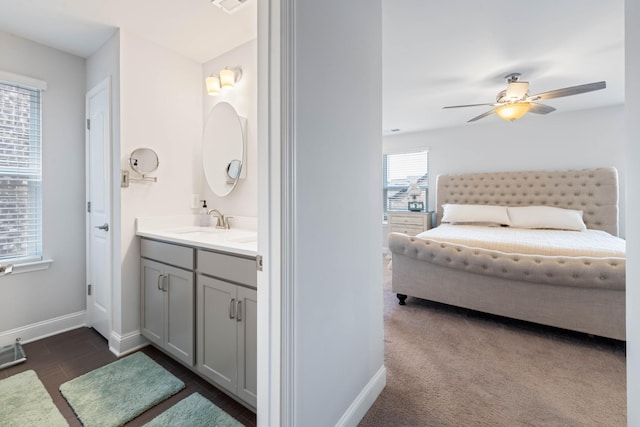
(45, 328)
(121, 345)
(357, 410)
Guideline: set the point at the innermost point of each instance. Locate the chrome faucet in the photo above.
(221, 221)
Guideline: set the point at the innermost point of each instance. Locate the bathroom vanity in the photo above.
(199, 301)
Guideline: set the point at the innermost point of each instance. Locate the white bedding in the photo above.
(591, 243)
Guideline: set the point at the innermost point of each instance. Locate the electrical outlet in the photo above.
(195, 201)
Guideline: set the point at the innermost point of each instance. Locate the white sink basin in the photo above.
(196, 231)
(242, 239)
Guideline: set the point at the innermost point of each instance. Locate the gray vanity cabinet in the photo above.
(167, 317)
(226, 318)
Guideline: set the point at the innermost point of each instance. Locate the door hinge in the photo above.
(88, 124)
(89, 289)
(88, 206)
(259, 262)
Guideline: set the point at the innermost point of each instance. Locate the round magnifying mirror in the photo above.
(143, 160)
(233, 170)
(223, 149)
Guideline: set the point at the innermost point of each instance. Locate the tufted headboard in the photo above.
(594, 191)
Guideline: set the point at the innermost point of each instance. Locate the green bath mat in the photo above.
(194, 411)
(120, 391)
(24, 402)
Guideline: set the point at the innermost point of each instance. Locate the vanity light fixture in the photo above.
(213, 85)
(230, 76)
(511, 112)
(227, 79)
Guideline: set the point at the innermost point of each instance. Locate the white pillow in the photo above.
(475, 214)
(546, 217)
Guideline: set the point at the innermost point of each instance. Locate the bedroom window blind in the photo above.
(399, 170)
(20, 173)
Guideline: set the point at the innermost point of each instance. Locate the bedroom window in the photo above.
(20, 173)
(400, 170)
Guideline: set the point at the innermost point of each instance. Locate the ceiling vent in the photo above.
(229, 6)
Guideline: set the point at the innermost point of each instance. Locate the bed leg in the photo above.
(402, 297)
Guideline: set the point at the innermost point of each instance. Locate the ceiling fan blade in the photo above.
(540, 108)
(481, 116)
(567, 91)
(469, 105)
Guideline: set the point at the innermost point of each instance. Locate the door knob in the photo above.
(104, 227)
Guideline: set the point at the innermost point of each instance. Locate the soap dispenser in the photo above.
(204, 216)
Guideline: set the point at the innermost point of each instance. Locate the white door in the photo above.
(98, 175)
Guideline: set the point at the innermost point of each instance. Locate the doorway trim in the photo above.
(275, 213)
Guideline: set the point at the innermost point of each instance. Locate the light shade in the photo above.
(513, 111)
(227, 78)
(413, 190)
(213, 85)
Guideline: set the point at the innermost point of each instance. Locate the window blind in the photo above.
(399, 170)
(20, 173)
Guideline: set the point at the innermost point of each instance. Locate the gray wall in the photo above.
(34, 297)
(338, 329)
(632, 17)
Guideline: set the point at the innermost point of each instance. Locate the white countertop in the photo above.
(240, 239)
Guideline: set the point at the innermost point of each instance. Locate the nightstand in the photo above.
(411, 223)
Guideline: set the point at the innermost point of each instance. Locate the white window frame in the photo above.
(403, 184)
(33, 259)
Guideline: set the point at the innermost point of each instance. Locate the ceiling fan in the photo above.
(515, 101)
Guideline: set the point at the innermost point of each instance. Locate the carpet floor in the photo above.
(448, 366)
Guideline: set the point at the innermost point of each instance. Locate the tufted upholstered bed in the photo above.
(580, 292)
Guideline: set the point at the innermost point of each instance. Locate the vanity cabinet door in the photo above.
(227, 323)
(167, 308)
(248, 345)
(216, 330)
(152, 301)
(179, 313)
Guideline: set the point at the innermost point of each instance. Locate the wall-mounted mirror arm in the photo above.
(126, 179)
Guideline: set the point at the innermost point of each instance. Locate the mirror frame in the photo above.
(136, 167)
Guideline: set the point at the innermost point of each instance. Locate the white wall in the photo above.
(335, 231)
(161, 108)
(632, 40)
(59, 291)
(571, 140)
(243, 200)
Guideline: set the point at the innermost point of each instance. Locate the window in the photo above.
(20, 173)
(400, 170)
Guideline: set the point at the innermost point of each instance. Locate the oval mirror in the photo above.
(223, 149)
(143, 160)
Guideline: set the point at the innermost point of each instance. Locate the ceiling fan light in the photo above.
(513, 112)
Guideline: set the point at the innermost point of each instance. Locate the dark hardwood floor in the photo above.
(62, 357)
